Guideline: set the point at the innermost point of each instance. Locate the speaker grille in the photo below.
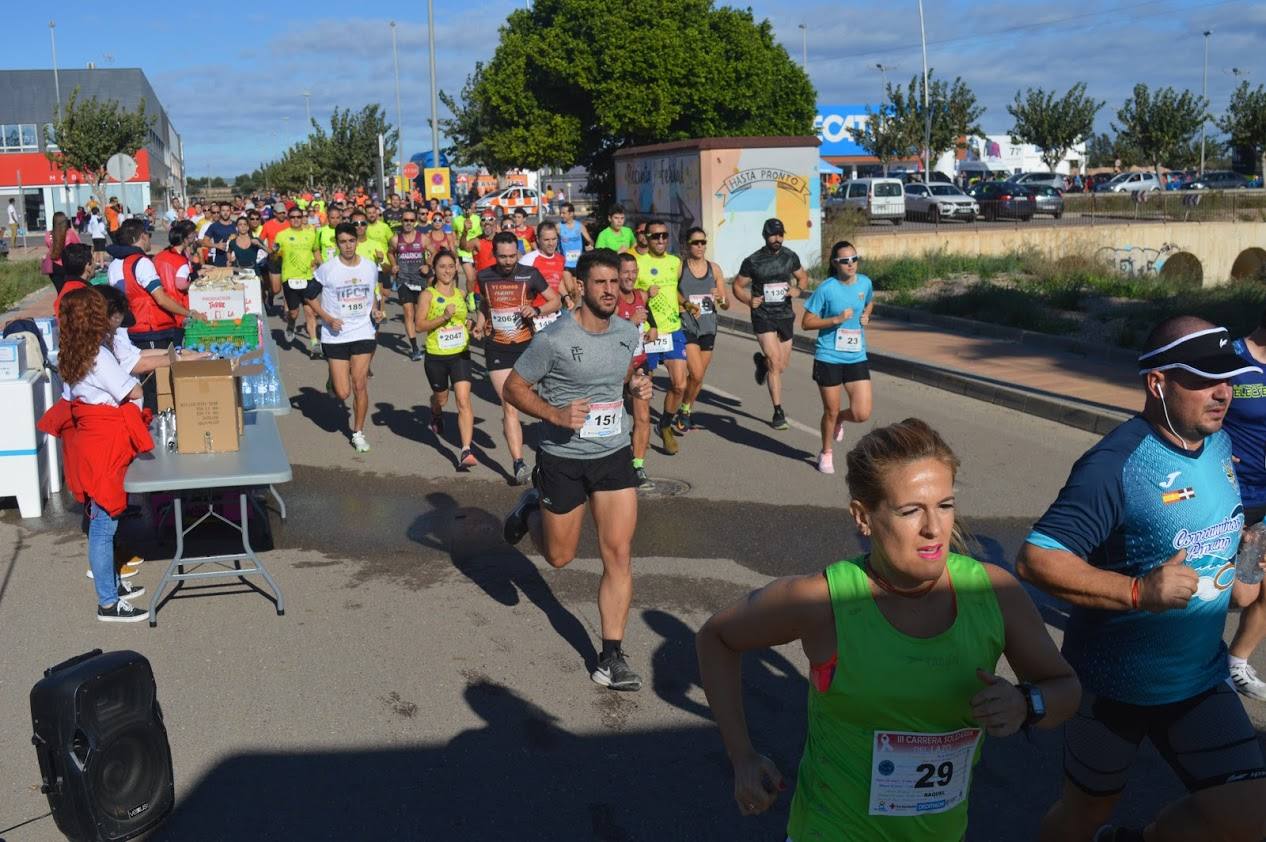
(129, 772)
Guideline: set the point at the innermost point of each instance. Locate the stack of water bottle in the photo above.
(259, 391)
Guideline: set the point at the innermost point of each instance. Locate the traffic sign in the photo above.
(121, 167)
(437, 183)
(410, 170)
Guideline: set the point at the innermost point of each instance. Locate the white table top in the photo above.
(260, 461)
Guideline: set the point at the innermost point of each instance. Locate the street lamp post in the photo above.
(883, 79)
(435, 102)
(1204, 93)
(927, 113)
(804, 47)
(57, 85)
(307, 105)
(395, 60)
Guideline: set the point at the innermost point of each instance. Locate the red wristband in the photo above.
(1134, 593)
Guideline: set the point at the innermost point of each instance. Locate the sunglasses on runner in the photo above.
(410, 219)
(698, 242)
(662, 235)
(361, 223)
(846, 261)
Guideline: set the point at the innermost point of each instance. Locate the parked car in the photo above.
(511, 199)
(1046, 179)
(1218, 180)
(878, 198)
(940, 201)
(1049, 200)
(1004, 199)
(1131, 182)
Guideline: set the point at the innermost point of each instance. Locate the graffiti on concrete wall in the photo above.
(1137, 261)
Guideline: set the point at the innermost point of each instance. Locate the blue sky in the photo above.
(233, 82)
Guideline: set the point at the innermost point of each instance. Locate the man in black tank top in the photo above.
(768, 280)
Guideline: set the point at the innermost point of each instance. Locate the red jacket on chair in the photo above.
(99, 442)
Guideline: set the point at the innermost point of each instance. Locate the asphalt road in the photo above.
(430, 682)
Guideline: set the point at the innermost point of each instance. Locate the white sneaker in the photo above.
(358, 442)
(1245, 679)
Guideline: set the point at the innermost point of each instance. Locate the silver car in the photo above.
(937, 201)
(1050, 201)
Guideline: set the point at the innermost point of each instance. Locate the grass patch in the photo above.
(19, 279)
(1080, 296)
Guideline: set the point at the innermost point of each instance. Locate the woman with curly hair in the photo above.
(56, 241)
(102, 429)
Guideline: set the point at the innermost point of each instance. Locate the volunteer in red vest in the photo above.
(102, 429)
(156, 312)
(552, 264)
(173, 264)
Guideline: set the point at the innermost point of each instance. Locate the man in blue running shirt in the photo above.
(573, 237)
(1141, 542)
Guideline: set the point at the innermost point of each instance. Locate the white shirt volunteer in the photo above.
(96, 228)
(107, 384)
(347, 294)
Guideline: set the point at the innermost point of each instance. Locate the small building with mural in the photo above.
(728, 186)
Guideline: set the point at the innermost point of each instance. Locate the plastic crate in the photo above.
(244, 332)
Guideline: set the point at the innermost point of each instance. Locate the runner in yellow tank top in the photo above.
(902, 645)
(442, 313)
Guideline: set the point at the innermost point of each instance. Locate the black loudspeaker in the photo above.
(102, 746)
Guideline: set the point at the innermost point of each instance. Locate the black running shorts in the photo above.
(445, 370)
(785, 328)
(835, 374)
(567, 483)
(295, 297)
(1208, 740)
(347, 350)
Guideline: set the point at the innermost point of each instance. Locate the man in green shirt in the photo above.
(325, 234)
(379, 233)
(659, 272)
(615, 236)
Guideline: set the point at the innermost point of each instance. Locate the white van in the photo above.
(878, 198)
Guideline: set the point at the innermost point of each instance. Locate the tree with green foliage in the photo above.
(349, 151)
(572, 81)
(1245, 120)
(1161, 125)
(955, 113)
(91, 131)
(1053, 125)
(884, 136)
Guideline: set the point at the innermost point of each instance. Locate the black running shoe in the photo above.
(521, 472)
(290, 331)
(644, 482)
(516, 525)
(436, 424)
(762, 367)
(127, 591)
(418, 355)
(779, 421)
(121, 612)
(614, 672)
(681, 422)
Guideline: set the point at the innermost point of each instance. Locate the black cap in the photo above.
(773, 226)
(1206, 353)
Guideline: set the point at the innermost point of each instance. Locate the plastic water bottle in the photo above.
(273, 388)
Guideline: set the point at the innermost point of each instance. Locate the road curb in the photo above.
(1083, 415)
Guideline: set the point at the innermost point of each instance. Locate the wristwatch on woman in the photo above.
(1034, 702)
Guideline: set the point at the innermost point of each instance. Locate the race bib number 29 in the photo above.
(919, 774)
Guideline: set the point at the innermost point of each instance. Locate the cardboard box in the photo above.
(221, 301)
(253, 295)
(162, 377)
(12, 358)
(207, 398)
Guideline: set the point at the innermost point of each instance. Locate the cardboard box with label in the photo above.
(12, 358)
(207, 400)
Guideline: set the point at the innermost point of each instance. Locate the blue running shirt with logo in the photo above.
(1130, 503)
(1246, 425)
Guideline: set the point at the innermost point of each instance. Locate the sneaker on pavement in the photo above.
(121, 612)
(779, 421)
(826, 463)
(762, 367)
(418, 355)
(314, 349)
(670, 440)
(516, 525)
(290, 330)
(1245, 679)
(436, 424)
(467, 460)
(358, 442)
(127, 591)
(644, 482)
(614, 672)
(127, 571)
(522, 473)
(681, 423)
(839, 430)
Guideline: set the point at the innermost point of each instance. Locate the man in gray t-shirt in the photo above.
(568, 363)
(574, 377)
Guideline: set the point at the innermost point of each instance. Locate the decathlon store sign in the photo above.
(832, 124)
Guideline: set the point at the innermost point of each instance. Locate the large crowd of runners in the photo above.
(903, 641)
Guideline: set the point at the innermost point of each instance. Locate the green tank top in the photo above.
(443, 340)
(863, 776)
